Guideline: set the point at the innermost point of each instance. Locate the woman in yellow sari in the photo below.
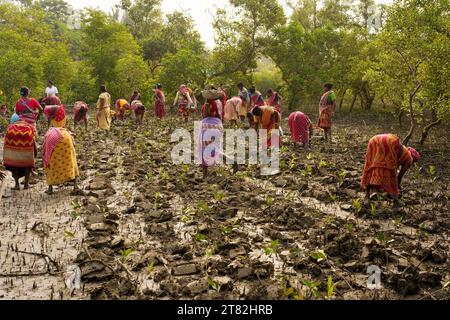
(104, 109)
(60, 159)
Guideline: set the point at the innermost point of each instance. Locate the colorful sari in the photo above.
(19, 147)
(326, 109)
(300, 127)
(28, 110)
(56, 114)
(275, 101)
(122, 106)
(257, 99)
(104, 111)
(80, 111)
(59, 157)
(138, 108)
(385, 154)
(231, 109)
(160, 110)
(183, 101)
(270, 123)
(211, 127)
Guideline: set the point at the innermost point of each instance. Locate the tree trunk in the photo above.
(342, 99)
(355, 96)
(427, 129)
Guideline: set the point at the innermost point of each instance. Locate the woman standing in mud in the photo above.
(160, 102)
(59, 157)
(274, 100)
(19, 150)
(104, 109)
(384, 157)
(326, 110)
(183, 101)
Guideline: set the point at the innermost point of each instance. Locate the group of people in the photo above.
(386, 163)
(20, 148)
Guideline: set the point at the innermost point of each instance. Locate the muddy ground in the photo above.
(144, 228)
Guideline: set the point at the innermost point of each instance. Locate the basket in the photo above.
(211, 94)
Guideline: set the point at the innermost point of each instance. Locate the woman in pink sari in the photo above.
(274, 100)
(231, 110)
(301, 129)
(326, 110)
(160, 102)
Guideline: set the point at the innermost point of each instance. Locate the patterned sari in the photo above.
(19, 147)
(326, 109)
(56, 114)
(59, 156)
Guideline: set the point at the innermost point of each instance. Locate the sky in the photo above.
(200, 10)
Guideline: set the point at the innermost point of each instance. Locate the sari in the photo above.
(326, 109)
(56, 114)
(270, 123)
(300, 127)
(59, 157)
(243, 110)
(104, 111)
(231, 109)
(275, 101)
(385, 154)
(122, 106)
(257, 99)
(28, 110)
(160, 110)
(138, 108)
(80, 111)
(210, 127)
(19, 147)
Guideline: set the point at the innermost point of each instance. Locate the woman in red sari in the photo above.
(256, 98)
(301, 128)
(160, 102)
(326, 110)
(274, 100)
(384, 157)
(27, 108)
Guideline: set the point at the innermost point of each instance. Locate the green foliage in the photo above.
(273, 248)
(318, 255)
(330, 287)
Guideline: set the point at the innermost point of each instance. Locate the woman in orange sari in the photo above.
(326, 110)
(267, 118)
(384, 157)
(122, 106)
